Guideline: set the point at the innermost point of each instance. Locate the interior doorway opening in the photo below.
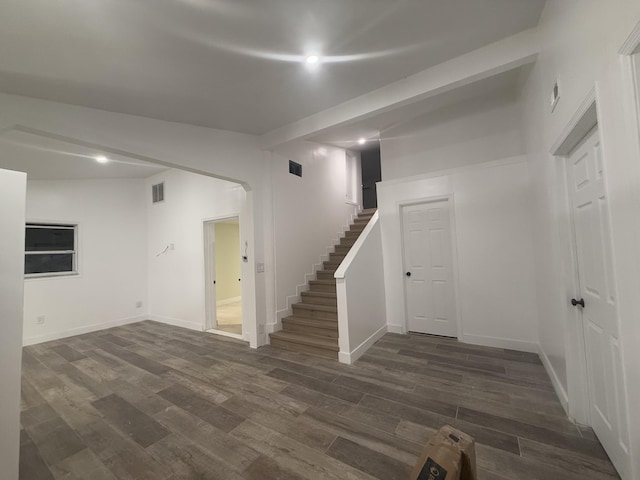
(371, 174)
(223, 276)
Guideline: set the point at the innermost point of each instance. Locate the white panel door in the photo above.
(599, 314)
(430, 301)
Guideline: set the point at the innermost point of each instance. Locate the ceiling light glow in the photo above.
(101, 159)
(362, 141)
(312, 59)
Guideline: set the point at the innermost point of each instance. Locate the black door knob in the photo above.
(408, 274)
(575, 302)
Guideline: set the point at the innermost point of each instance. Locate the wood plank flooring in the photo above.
(151, 401)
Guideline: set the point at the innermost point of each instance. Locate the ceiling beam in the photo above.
(504, 55)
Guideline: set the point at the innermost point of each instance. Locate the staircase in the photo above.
(313, 327)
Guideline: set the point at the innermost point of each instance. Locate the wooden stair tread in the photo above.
(324, 343)
(320, 294)
(320, 308)
(326, 271)
(311, 322)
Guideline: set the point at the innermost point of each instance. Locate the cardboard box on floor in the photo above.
(449, 455)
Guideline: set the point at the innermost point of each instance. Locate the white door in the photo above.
(590, 213)
(429, 290)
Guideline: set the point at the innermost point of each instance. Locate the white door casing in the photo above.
(210, 274)
(12, 217)
(591, 227)
(428, 266)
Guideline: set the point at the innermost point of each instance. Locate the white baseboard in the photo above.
(555, 381)
(498, 342)
(82, 330)
(222, 333)
(176, 322)
(350, 357)
(395, 329)
(227, 301)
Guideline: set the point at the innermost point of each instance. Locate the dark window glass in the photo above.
(48, 263)
(38, 239)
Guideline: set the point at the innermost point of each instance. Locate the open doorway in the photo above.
(223, 276)
(371, 174)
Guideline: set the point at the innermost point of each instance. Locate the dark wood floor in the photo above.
(150, 401)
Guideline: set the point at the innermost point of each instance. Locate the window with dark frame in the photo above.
(50, 249)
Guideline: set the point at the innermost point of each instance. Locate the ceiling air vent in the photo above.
(295, 168)
(157, 192)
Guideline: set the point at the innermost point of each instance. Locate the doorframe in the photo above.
(454, 256)
(629, 55)
(578, 403)
(208, 225)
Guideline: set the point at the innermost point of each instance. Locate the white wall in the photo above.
(493, 247)
(219, 153)
(581, 44)
(310, 214)
(176, 278)
(12, 192)
(471, 132)
(361, 294)
(112, 265)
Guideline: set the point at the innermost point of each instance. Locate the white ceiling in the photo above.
(235, 64)
(504, 85)
(48, 159)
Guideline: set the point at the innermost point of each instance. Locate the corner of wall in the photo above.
(555, 380)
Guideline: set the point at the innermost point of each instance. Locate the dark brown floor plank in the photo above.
(55, 440)
(481, 364)
(374, 463)
(187, 462)
(587, 466)
(68, 353)
(211, 440)
(193, 403)
(265, 468)
(122, 456)
(130, 420)
(32, 466)
(411, 399)
(149, 401)
(82, 466)
(343, 393)
(488, 436)
(533, 432)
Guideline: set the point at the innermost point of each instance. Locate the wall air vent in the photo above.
(295, 168)
(555, 95)
(157, 192)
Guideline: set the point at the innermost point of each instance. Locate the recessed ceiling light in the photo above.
(311, 59)
(362, 141)
(101, 159)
